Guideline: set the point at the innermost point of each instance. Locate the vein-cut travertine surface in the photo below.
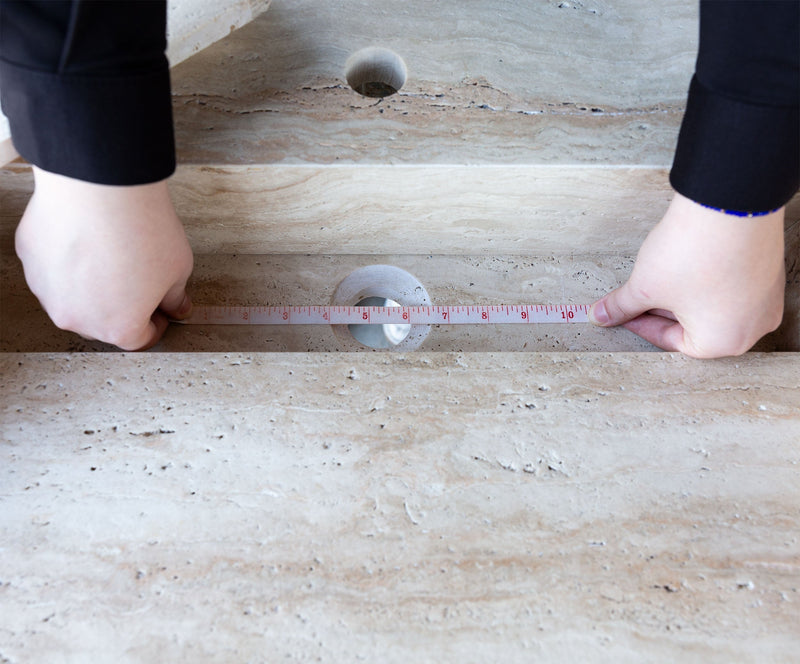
(430, 507)
(427, 507)
(488, 83)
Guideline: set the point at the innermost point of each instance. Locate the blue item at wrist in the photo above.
(739, 213)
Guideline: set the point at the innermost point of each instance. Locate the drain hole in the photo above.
(382, 286)
(375, 72)
(379, 336)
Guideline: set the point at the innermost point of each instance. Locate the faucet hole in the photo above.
(375, 72)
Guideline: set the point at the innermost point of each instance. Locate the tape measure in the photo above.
(416, 315)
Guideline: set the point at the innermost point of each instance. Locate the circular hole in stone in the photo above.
(379, 336)
(383, 286)
(375, 72)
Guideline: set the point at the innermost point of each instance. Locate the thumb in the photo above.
(176, 304)
(619, 306)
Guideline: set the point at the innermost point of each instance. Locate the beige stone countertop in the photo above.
(428, 507)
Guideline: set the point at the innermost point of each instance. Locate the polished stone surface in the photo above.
(501, 83)
(235, 505)
(425, 507)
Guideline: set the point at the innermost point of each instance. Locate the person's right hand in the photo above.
(110, 263)
(705, 283)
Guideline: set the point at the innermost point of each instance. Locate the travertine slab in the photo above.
(569, 76)
(475, 235)
(462, 210)
(622, 53)
(311, 280)
(427, 507)
(370, 209)
(194, 24)
(514, 83)
(436, 507)
(7, 150)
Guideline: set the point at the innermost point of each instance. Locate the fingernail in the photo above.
(598, 314)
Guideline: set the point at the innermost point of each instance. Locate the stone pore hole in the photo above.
(375, 72)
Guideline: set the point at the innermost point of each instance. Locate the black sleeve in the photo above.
(739, 144)
(85, 85)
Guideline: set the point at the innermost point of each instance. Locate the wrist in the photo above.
(740, 213)
(80, 194)
(727, 221)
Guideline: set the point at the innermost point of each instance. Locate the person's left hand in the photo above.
(110, 263)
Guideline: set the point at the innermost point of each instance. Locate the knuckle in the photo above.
(119, 339)
(64, 319)
(126, 338)
(717, 348)
(123, 332)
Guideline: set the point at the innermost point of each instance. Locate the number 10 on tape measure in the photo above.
(417, 315)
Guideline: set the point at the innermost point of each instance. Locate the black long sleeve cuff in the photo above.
(86, 88)
(736, 156)
(739, 144)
